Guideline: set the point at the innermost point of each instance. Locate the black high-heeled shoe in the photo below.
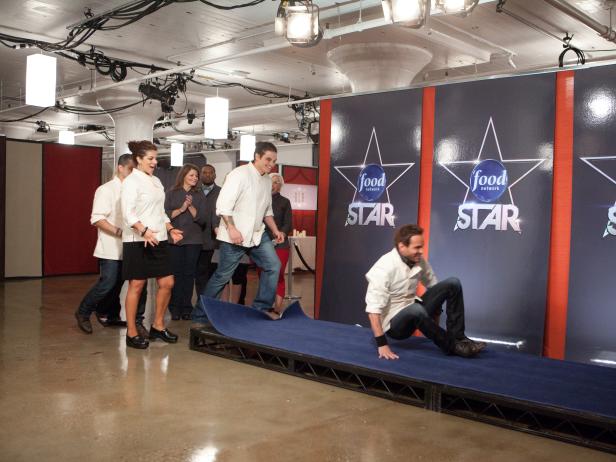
(137, 342)
(165, 335)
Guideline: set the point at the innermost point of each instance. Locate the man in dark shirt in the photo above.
(211, 190)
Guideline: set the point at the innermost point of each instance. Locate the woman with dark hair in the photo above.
(145, 236)
(185, 205)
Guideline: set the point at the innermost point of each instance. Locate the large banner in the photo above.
(491, 202)
(375, 150)
(592, 282)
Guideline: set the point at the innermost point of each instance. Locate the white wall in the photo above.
(223, 162)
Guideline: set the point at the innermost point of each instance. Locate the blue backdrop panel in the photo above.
(375, 150)
(491, 202)
(592, 285)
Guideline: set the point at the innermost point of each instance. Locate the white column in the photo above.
(132, 124)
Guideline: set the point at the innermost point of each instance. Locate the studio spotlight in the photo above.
(460, 7)
(190, 117)
(409, 13)
(42, 126)
(313, 131)
(298, 21)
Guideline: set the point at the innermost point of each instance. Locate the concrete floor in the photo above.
(66, 396)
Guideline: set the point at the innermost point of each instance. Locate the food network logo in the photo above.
(610, 227)
(488, 182)
(371, 186)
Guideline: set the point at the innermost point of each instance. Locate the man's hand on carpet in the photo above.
(386, 353)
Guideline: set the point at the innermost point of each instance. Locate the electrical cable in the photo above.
(24, 118)
(125, 15)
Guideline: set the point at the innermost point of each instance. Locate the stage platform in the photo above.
(558, 399)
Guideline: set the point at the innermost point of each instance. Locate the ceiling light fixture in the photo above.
(41, 80)
(298, 21)
(177, 154)
(247, 147)
(409, 13)
(460, 7)
(216, 119)
(66, 137)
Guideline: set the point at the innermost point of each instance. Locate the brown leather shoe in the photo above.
(465, 349)
(83, 323)
(480, 345)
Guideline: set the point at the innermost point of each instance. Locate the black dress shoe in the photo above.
(186, 317)
(164, 335)
(137, 342)
(175, 317)
(83, 323)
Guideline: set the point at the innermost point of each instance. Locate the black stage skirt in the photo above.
(140, 262)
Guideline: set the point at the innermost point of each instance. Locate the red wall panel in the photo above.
(323, 197)
(302, 219)
(71, 175)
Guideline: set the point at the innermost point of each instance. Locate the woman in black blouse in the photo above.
(185, 205)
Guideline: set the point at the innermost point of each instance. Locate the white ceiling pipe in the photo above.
(604, 31)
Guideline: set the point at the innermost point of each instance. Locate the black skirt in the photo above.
(140, 262)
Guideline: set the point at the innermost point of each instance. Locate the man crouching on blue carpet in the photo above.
(396, 311)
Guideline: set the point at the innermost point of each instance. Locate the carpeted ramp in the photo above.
(583, 394)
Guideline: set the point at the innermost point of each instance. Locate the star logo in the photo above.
(461, 168)
(593, 162)
(346, 170)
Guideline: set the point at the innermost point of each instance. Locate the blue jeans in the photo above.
(184, 261)
(104, 296)
(420, 315)
(265, 258)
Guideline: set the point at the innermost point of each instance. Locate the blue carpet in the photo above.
(564, 384)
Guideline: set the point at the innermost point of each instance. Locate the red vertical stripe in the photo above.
(427, 158)
(322, 197)
(560, 238)
(425, 172)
